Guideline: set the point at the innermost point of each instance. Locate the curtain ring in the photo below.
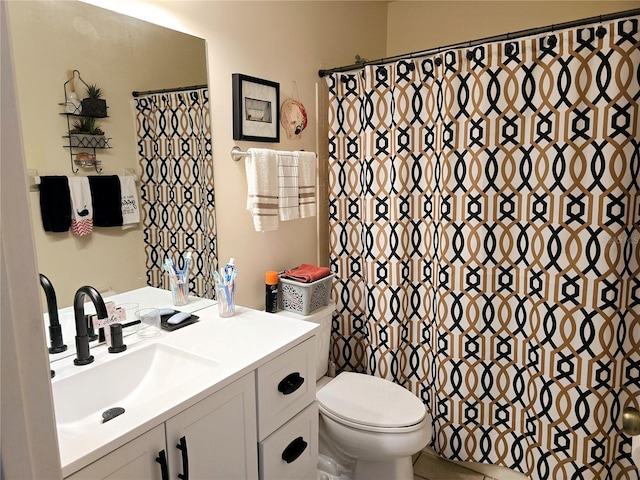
(601, 31)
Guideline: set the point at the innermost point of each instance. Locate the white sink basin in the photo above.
(145, 376)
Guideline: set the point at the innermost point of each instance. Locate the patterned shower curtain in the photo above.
(178, 209)
(485, 229)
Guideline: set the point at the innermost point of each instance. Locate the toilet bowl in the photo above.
(373, 424)
(369, 427)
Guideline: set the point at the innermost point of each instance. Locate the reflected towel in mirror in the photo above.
(81, 205)
(130, 207)
(107, 201)
(55, 203)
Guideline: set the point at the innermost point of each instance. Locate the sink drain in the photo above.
(111, 413)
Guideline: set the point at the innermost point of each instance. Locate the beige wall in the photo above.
(413, 25)
(120, 54)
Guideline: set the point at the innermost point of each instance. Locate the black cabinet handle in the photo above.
(290, 383)
(182, 446)
(162, 460)
(294, 450)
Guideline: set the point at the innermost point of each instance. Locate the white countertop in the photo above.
(238, 344)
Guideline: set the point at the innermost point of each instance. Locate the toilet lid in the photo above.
(371, 401)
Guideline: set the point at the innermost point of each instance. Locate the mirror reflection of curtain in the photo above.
(485, 224)
(177, 198)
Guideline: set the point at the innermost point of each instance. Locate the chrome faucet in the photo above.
(83, 357)
(55, 330)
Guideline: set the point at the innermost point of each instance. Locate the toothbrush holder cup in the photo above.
(179, 288)
(225, 295)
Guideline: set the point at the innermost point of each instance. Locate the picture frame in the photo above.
(256, 109)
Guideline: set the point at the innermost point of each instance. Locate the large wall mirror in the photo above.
(121, 55)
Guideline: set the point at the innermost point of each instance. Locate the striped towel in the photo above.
(288, 186)
(307, 183)
(261, 168)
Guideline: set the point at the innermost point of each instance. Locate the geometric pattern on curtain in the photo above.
(485, 230)
(178, 207)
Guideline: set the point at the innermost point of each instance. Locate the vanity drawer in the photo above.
(291, 452)
(285, 385)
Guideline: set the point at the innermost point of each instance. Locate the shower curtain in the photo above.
(485, 230)
(178, 208)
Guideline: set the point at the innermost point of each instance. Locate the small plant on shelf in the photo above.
(87, 133)
(94, 105)
(86, 126)
(94, 91)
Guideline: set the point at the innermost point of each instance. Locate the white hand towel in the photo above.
(81, 206)
(288, 202)
(261, 168)
(130, 206)
(307, 183)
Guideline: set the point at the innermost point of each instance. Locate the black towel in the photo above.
(55, 203)
(106, 199)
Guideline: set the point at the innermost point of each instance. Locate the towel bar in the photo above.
(34, 179)
(238, 154)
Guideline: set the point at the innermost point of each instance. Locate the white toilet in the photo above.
(369, 427)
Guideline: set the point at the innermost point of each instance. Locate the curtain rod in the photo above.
(495, 38)
(168, 90)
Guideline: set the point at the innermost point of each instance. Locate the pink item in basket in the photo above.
(307, 273)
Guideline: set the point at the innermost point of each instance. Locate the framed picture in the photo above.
(256, 109)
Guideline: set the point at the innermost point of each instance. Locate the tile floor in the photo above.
(428, 466)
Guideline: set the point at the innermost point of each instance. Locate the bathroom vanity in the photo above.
(222, 398)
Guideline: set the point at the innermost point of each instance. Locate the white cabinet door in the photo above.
(133, 461)
(216, 438)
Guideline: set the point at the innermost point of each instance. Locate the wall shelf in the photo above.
(82, 146)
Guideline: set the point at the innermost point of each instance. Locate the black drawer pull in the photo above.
(182, 446)
(162, 460)
(294, 450)
(290, 383)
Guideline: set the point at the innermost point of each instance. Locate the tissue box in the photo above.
(304, 298)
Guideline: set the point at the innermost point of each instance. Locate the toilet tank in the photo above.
(323, 316)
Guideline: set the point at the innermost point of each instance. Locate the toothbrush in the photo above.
(229, 269)
(169, 265)
(171, 270)
(226, 278)
(187, 261)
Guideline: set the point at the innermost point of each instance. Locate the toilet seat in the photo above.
(371, 403)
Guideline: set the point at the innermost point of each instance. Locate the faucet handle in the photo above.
(83, 357)
(117, 344)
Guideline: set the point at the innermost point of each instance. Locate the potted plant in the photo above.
(87, 133)
(94, 105)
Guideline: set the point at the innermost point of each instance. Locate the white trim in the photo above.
(29, 439)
